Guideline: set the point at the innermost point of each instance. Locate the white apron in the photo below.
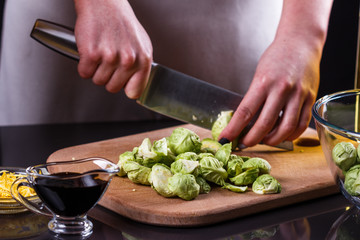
(217, 41)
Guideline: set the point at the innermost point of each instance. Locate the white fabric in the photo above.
(217, 41)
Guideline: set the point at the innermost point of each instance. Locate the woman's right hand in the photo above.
(115, 50)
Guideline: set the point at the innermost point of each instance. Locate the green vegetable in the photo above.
(137, 173)
(266, 184)
(158, 179)
(352, 180)
(185, 166)
(220, 123)
(202, 155)
(245, 178)
(184, 140)
(124, 157)
(234, 166)
(234, 188)
(188, 156)
(204, 186)
(163, 152)
(184, 186)
(209, 145)
(223, 154)
(212, 170)
(344, 155)
(256, 162)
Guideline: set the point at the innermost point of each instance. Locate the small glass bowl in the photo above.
(10, 205)
(337, 119)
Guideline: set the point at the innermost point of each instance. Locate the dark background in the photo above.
(337, 68)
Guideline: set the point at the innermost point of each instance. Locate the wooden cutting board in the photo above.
(303, 174)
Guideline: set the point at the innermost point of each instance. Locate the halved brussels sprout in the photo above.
(137, 173)
(184, 140)
(344, 155)
(163, 152)
(158, 178)
(184, 186)
(256, 162)
(233, 188)
(188, 156)
(212, 170)
(185, 167)
(204, 186)
(124, 157)
(223, 154)
(234, 165)
(352, 180)
(209, 145)
(245, 178)
(202, 155)
(219, 125)
(266, 184)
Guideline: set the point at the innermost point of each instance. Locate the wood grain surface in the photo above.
(303, 174)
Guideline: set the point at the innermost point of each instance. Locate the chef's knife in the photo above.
(168, 92)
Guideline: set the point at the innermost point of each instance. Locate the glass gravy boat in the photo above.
(67, 190)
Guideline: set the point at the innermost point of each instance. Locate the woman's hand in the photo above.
(115, 50)
(286, 81)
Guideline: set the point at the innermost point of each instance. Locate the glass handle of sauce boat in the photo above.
(35, 206)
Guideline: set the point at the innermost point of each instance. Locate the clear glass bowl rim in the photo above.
(328, 98)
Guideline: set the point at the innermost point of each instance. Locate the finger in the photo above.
(266, 121)
(246, 110)
(304, 120)
(287, 124)
(88, 65)
(136, 85)
(109, 63)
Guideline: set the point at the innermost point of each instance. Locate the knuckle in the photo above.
(244, 113)
(110, 57)
(128, 60)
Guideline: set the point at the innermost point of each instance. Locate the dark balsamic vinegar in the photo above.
(70, 197)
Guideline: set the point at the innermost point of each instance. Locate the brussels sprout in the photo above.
(204, 186)
(212, 170)
(144, 150)
(137, 173)
(202, 155)
(256, 162)
(158, 179)
(124, 157)
(209, 145)
(266, 184)
(223, 154)
(163, 152)
(352, 180)
(234, 166)
(344, 155)
(245, 158)
(184, 140)
(185, 166)
(220, 123)
(234, 188)
(188, 156)
(245, 178)
(184, 186)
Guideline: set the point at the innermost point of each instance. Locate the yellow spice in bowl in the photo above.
(6, 179)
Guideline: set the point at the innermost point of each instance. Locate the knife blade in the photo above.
(168, 91)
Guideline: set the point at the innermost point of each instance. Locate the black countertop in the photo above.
(21, 146)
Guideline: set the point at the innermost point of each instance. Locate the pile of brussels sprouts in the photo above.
(347, 157)
(182, 165)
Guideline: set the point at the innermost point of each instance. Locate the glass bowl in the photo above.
(10, 205)
(337, 119)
